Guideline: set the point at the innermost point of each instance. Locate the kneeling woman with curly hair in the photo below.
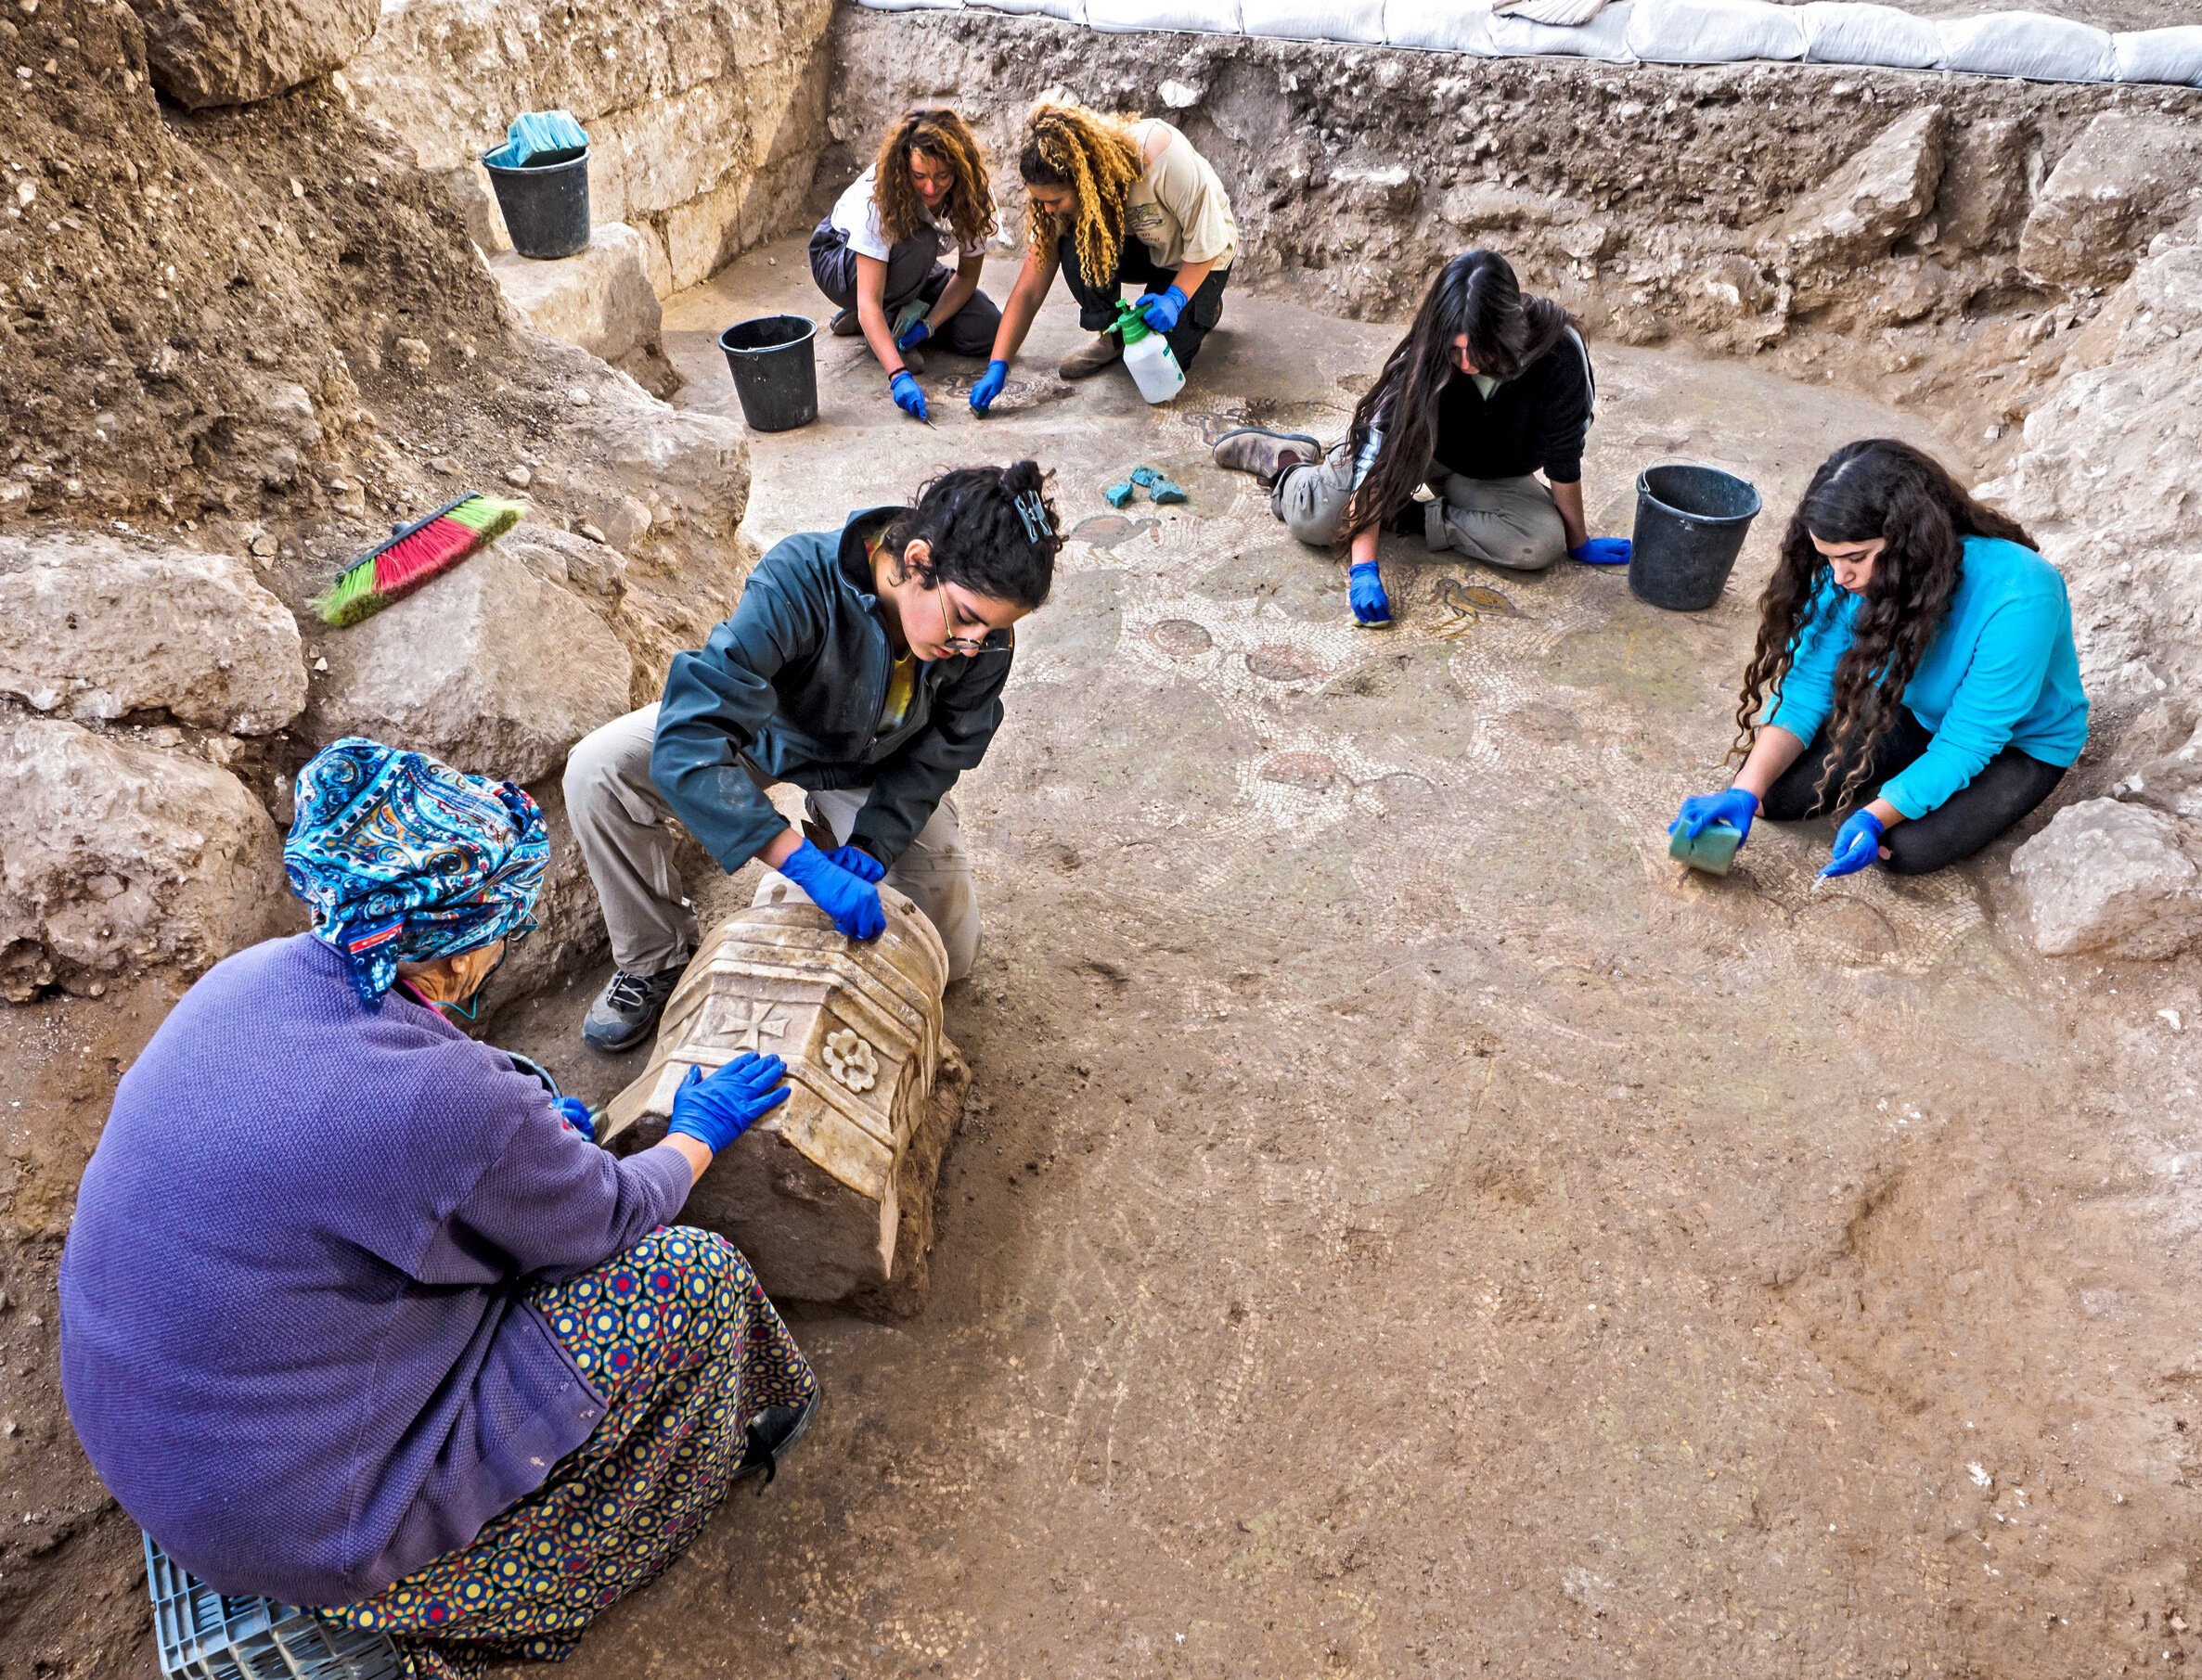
(1914, 671)
(1116, 201)
(877, 254)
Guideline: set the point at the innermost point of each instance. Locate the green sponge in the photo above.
(1712, 851)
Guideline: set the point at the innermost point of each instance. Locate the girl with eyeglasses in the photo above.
(866, 667)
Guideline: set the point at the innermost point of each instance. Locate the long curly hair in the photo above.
(1876, 487)
(1097, 158)
(1475, 294)
(941, 134)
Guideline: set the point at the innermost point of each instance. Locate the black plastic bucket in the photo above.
(545, 202)
(1691, 522)
(774, 363)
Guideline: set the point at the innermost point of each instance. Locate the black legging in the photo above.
(1136, 266)
(2009, 785)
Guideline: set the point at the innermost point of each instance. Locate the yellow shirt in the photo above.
(902, 684)
(1178, 209)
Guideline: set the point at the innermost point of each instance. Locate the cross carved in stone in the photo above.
(752, 1028)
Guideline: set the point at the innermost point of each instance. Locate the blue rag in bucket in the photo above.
(533, 132)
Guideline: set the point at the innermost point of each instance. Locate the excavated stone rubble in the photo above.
(252, 320)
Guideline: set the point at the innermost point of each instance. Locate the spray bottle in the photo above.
(1153, 364)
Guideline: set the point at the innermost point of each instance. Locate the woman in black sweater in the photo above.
(1487, 388)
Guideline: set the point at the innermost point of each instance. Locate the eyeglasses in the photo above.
(961, 644)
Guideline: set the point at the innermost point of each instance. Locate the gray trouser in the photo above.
(619, 818)
(1508, 522)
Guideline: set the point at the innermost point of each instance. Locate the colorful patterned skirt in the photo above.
(679, 1338)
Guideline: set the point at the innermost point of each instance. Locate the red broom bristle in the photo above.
(408, 564)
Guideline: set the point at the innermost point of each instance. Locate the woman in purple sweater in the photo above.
(355, 1316)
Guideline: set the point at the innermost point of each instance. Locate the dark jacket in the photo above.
(796, 681)
(1537, 419)
(295, 1337)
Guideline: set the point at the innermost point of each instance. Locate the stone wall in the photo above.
(705, 116)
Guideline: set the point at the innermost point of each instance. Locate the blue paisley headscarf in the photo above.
(403, 859)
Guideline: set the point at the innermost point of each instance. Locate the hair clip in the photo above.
(1034, 512)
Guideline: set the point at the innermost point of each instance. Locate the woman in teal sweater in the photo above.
(1914, 671)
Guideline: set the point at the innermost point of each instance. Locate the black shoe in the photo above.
(771, 1433)
(1409, 521)
(629, 1007)
(845, 324)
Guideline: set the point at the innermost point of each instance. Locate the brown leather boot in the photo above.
(1263, 452)
(1084, 364)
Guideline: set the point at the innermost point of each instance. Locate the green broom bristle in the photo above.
(352, 597)
(487, 515)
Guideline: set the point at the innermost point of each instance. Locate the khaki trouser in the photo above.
(618, 817)
(1508, 522)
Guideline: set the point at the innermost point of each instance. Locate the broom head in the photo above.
(415, 555)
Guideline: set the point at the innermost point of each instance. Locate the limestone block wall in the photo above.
(705, 116)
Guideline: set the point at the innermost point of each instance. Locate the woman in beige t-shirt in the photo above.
(1116, 201)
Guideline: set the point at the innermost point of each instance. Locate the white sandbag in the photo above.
(1361, 21)
(1439, 26)
(1560, 14)
(1846, 32)
(1714, 31)
(2160, 54)
(1185, 17)
(2032, 44)
(1070, 11)
(911, 5)
(1605, 36)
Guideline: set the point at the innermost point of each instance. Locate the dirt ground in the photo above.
(1407, 1226)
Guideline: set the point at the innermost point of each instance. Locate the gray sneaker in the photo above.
(845, 324)
(629, 1007)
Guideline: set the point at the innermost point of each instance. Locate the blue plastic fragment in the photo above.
(1116, 495)
(1145, 477)
(531, 133)
(1163, 490)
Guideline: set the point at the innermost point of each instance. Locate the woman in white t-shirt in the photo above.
(1116, 201)
(877, 254)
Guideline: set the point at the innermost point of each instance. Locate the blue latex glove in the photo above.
(847, 897)
(1602, 551)
(1365, 588)
(1857, 843)
(716, 1111)
(1163, 308)
(575, 1112)
(857, 861)
(909, 396)
(1735, 807)
(989, 385)
(914, 335)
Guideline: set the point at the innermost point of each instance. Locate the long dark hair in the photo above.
(1475, 294)
(991, 529)
(1874, 488)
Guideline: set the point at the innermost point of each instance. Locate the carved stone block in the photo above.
(830, 1195)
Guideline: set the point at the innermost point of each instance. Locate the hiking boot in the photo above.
(1263, 452)
(845, 324)
(1084, 364)
(629, 1007)
(771, 1433)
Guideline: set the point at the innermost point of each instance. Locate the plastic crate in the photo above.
(209, 1636)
